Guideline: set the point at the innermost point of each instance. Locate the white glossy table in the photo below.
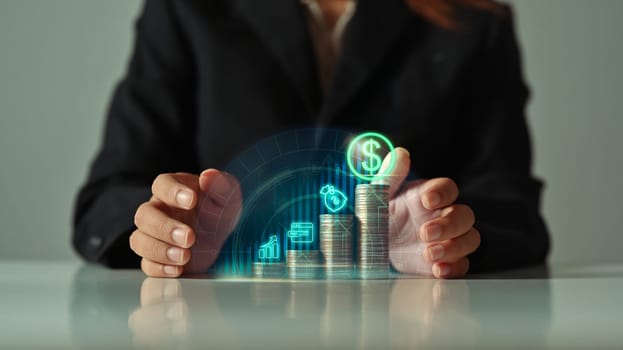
(67, 306)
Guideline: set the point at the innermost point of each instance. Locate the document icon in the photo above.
(270, 249)
(301, 232)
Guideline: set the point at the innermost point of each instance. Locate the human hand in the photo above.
(185, 223)
(429, 232)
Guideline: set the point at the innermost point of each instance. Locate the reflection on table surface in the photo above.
(123, 309)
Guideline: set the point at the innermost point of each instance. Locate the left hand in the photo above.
(429, 232)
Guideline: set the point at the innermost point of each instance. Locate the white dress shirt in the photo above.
(327, 42)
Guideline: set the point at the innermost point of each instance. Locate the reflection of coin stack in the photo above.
(336, 243)
(268, 269)
(303, 263)
(372, 211)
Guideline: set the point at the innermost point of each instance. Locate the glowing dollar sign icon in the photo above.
(373, 164)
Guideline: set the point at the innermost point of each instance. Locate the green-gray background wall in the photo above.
(60, 59)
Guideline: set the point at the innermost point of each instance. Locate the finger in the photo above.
(154, 222)
(398, 174)
(221, 204)
(155, 250)
(220, 187)
(454, 221)
(175, 190)
(438, 193)
(456, 269)
(155, 269)
(453, 249)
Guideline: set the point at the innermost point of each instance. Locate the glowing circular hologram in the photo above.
(373, 136)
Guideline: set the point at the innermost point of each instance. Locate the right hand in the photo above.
(185, 223)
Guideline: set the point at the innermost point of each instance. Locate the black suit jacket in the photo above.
(209, 78)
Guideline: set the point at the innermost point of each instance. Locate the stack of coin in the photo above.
(303, 263)
(372, 212)
(267, 269)
(336, 243)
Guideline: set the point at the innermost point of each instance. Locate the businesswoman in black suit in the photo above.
(442, 78)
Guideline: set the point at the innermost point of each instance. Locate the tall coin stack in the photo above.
(372, 212)
(336, 243)
(303, 263)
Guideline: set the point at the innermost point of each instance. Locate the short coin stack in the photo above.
(372, 212)
(265, 269)
(303, 263)
(336, 243)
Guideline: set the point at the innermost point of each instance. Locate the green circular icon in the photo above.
(370, 143)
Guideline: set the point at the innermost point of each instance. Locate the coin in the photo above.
(268, 269)
(372, 212)
(336, 243)
(303, 263)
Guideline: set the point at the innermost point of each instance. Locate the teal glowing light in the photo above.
(370, 142)
(270, 249)
(335, 200)
(301, 232)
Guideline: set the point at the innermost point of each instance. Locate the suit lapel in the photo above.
(281, 25)
(372, 32)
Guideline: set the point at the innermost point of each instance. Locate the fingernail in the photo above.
(404, 150)
(441, 270)
(431, 200)
(436, 252)
(184, 198)
(170, 270)
(174, 254)
(433, 232)
(180, 236)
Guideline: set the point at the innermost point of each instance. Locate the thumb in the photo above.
(398, 174)
(220, 187)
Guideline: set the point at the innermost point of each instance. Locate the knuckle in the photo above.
(466, 213)
(151, 268)
(456, 248)
(477, 238)
(137, 242)
(467, 265)
(156, 186)
(133, 240)
(464, 266)
(452, 186)
(156, 183)
(451, 193)
(164, 226)
(140, 214)
(448, 184)
(470, 214)
(157, 251)
(144, 266)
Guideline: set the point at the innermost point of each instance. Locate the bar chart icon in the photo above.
(270, 249)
